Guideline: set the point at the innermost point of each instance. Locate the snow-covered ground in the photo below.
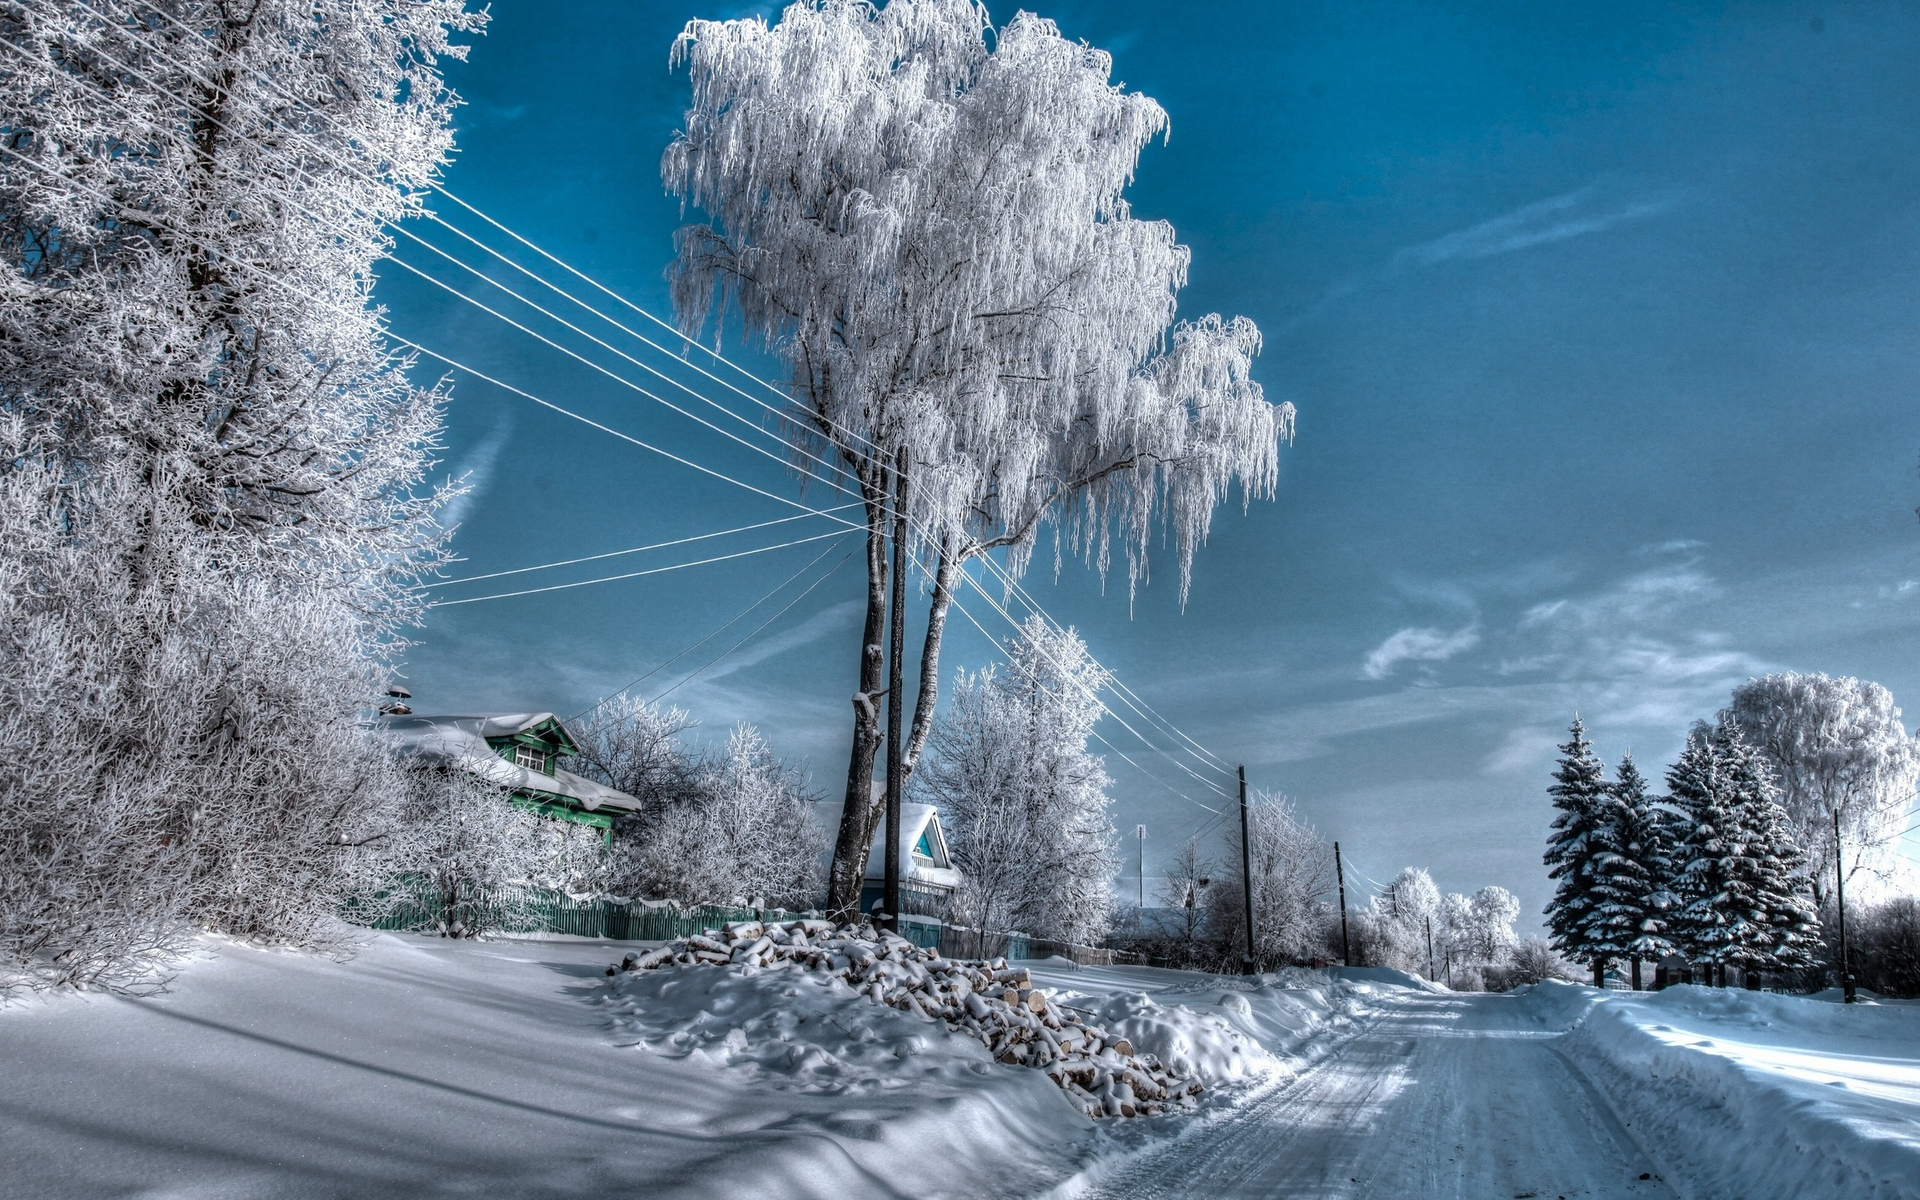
(1751, 1095)
(517, 1068)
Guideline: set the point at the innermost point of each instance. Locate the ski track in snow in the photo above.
(1440, 1096)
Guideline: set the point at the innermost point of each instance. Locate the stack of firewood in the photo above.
(986, 999)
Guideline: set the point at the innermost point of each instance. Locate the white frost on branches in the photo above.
(1836, 746)
(211, 470)
(924, 217)
(721, 828)
(1024, 806)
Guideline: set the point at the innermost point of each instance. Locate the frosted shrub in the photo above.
(478, 860)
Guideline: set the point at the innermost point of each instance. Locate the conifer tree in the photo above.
(1729, 867)
(1641, 876)
(1782, 901)
(1582, 839)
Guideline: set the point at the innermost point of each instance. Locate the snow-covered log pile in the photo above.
(988, 1000)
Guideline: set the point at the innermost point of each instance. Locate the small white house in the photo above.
(927, 874)
(518, 752)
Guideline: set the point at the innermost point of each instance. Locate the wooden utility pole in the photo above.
(1340, 874)
(897, 638)
(1140, 864)
(1429, 947)
(1840, 899)
(1246, 874)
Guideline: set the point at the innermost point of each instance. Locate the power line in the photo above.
(702, 537)
(716, 632)
(561, 587)
(756, 630)
(1127, 695)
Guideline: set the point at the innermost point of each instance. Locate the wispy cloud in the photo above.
(1418, 645)
(1592, 209)
(827, 621)
(1574, 214)
(475, 473)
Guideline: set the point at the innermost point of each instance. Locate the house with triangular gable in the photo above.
(518, 752)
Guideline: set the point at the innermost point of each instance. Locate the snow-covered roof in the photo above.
(460, 740)
(917, 822)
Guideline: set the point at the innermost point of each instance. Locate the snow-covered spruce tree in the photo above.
(1025, 806)
(1782, 898)
(1744, 907)
(1292, 877)
(1837, 748)
(923, 217)
(1639, 878)
(211, 466)
(1581, 840)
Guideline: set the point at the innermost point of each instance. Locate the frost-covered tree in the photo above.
(479, 860)
(1745, 905)
(1024, 805)
(1292, 871)
(923, 217)
(1639, 879)
(1392, 930)
(1582, 840)
(1474, 935)
(1183, 888)
(1837, 748)
(211, 468)
(722, 828)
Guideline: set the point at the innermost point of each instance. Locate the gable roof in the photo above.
(460, 741)
(917, 821)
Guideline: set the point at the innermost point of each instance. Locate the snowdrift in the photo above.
(1753, 1095)
(991, 1004)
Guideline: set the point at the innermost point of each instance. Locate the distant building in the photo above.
(520, 753)
(927, 875)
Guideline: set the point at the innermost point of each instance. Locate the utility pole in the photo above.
(1339, 873)
(1840, 899)
(1246, 873)
(1429, 947)
(1140, 838)
(896, 770)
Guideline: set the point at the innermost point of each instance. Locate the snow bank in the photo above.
(807, 1021)
(1758, 1096)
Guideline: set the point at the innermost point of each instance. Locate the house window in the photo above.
(528, 757)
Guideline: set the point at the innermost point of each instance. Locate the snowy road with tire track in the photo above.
(1440, 1096)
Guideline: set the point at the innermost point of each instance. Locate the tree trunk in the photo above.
(1600, 972)
(930, 652)
(855, 840)
(1636, 972)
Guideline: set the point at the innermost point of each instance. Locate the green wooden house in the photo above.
(521, 753)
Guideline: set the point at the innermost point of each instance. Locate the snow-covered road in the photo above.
(1440, 1096)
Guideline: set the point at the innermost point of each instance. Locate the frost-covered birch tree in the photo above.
(1024, 805)
(1837, 748)
(923, 217)
(211, 468)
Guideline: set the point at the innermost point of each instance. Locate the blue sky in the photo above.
(1603, 323)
